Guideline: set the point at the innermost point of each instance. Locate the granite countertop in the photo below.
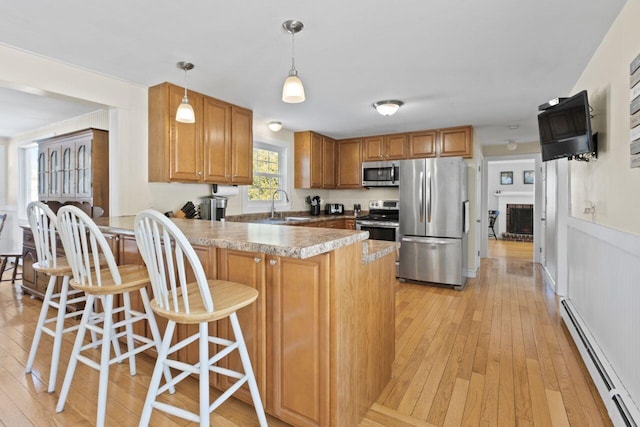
(280, 240)
(262, 218)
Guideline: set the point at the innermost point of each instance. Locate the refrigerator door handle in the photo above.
(420, 196)
(429, 198)
(428, 241)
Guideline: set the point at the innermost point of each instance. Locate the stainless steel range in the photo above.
(382, 222)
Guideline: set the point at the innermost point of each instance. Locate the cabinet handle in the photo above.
(273, 261)
(257, 260)
(199, 173)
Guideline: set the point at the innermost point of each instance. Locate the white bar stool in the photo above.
(43, 226)
(164, 249)
(84, 245)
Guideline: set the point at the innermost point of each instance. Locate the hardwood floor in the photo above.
(494, 354)
(510, 249)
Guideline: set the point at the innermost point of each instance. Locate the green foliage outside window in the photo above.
(266, 174)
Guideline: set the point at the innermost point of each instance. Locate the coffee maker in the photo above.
(213, 208)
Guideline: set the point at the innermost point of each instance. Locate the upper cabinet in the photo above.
(349, 163)
(422, 144)
(457, 141)
(216, 149)
(75, 167)
(314, 160)
(384, 147)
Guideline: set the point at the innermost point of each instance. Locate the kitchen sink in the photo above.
(285, 220)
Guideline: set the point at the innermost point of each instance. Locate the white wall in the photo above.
(515, 166)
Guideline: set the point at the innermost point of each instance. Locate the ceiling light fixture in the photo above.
(275, 126)
(185, 112)
(293, 91)
(511, 144)
(387, 107)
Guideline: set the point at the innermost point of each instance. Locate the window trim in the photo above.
(255, 206)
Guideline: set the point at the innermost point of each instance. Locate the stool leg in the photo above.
(57, 339)
(155, 333)
(105, 355)
(129, 328)
(73, 360)
(203, 350)
(248, 370)
(3, 266)
(41, 320)
(154, 385)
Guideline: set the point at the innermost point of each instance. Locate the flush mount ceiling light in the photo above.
(387, 107)
(293, 91)
(275, 126)
(185, 112)
(511, 144)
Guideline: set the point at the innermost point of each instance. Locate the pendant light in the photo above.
(387, 107)
(293, 91)
(185, 112)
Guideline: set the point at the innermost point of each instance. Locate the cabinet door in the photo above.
(298, 330)
(185, 139)
(350, 224)
(241, 146)
(328, 163)
(217, 141)
(249, 269)
(43, 174)
(84, 169)
(395, 146)
(316, 163)
(456, 142)
(54, 170)
(373, 149)
(67, 171)
(422, 144)
(349, 163)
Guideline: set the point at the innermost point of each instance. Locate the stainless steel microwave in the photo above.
(380, 174)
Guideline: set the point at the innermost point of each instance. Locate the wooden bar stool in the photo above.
(164, 249)
(44, 228)
(84, 246)
(7, 254)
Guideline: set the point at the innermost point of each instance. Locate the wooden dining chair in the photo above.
(43, 223)
(169, 256)
(493, 216)
(84, 246)
(7, 254)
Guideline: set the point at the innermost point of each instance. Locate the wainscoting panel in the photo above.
(604, 288)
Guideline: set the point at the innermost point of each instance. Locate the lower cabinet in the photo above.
(33, 282)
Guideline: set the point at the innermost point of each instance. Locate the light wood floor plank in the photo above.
(455, 411)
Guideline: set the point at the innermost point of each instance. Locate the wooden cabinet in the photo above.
(349, 163)
(384, 147)
(456, 141)
(314, 160)
(74, 167)
(249, 269)
(328, 162)
(33, 282)
(349, 224)
(422, 144)
(298, 329)
(217, 148)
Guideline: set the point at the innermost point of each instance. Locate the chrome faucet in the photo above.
(273, 201)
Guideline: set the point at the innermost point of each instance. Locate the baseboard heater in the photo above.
(613, 394)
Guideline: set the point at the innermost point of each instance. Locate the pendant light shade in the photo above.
(185, 112)
(388, 107)
(293, 90)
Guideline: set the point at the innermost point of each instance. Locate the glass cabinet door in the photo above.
(54, 172)
(42, 174)
(68, 170)
(83, 162)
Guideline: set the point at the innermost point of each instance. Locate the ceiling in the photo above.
(452, 62)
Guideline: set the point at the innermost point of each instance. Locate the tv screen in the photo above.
(565, 129)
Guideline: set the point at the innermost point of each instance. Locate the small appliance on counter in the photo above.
(314, 205)
(334, 209)
(213, 208)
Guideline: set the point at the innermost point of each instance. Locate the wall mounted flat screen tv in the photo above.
(565, 130)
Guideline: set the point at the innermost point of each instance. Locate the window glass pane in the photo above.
(266, 174)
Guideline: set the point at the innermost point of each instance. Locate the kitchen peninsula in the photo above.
(321, 334)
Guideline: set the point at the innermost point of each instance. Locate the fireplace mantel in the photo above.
(510, 197)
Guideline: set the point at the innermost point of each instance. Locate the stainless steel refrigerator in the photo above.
(434, 220)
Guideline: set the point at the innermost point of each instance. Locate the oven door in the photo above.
(380, 230)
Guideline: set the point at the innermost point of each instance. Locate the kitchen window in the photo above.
(269, 175)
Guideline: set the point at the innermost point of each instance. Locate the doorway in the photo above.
(512, 195)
